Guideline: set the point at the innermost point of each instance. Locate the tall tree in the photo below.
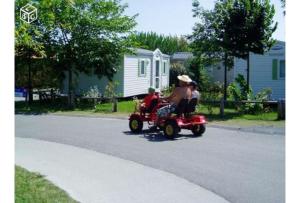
(87, 36)
(28, 45)
(167, 44)
(247, 24)
(206, 45)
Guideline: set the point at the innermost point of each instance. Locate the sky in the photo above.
(175, 16)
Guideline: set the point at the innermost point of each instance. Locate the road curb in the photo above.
(253, 129)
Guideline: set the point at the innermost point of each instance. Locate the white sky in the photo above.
(175, 16)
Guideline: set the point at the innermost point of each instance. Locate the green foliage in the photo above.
(198, 72)
(168, 90)
(232, 28)
(167, 44)
(211, 92)
(93, 92)
(204, 42)
(77, 36)
(42, 74)
(33, 187)
(238, 92)
(244, 26)
(110, 90)
(175, 70)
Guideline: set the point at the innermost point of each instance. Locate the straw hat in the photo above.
(184, 78)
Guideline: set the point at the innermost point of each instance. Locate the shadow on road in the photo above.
(158, 136)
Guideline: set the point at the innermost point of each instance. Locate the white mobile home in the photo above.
(137, 73)
(266, 71)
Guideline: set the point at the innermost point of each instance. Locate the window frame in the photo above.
(279, 68)
(142, 61)
(164, 68)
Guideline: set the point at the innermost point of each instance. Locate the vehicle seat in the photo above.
(191, 107)
(153, 104)
(181, 108)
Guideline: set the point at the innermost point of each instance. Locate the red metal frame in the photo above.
(182, 121)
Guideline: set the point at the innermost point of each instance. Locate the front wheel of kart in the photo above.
(135, 125)
(198, 130)
(170, 129)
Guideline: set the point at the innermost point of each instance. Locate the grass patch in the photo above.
(123, 107)
(33, 188)
(126, 107)
(233, 117)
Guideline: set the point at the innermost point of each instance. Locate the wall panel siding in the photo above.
(133, 84)
(84, 83)
(261, 74)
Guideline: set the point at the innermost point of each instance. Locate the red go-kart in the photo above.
(183, 118)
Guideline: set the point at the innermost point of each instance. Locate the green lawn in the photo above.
(126, 107)
(33, 188)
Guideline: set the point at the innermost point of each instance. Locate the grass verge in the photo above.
(33, 188)
(232, 117)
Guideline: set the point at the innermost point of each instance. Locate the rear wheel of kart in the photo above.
(198, 130)
(170, 129)
(135, 125)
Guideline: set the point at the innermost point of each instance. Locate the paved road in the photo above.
(239, 166)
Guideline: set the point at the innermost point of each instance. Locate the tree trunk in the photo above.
(30, 96)
(248, 72)
(71, 89)
(115, 105)
(225, 77)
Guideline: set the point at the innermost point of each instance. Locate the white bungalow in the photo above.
(266, 71)
(137, 73)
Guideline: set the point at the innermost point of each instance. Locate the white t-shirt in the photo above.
(195, 94)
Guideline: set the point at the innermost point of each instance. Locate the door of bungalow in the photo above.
(157, 74)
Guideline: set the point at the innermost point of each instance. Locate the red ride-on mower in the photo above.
(172, 124)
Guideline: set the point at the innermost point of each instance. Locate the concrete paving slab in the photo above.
(89, 176)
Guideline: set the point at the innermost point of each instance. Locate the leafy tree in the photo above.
(167, 44)
(233, 28)
(206, 45)
(244, 26)
(87, 36)
(28, 44)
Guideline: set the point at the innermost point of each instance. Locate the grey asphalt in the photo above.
(238, 166)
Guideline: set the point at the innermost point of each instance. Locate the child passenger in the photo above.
(147, 100)
(195, 94)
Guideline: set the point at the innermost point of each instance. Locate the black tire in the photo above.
(198, 130)
(135, 125)
(170, 129)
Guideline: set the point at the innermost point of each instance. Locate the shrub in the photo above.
(168, 90)
(110, 92)
(93, 92)
(237, 91)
